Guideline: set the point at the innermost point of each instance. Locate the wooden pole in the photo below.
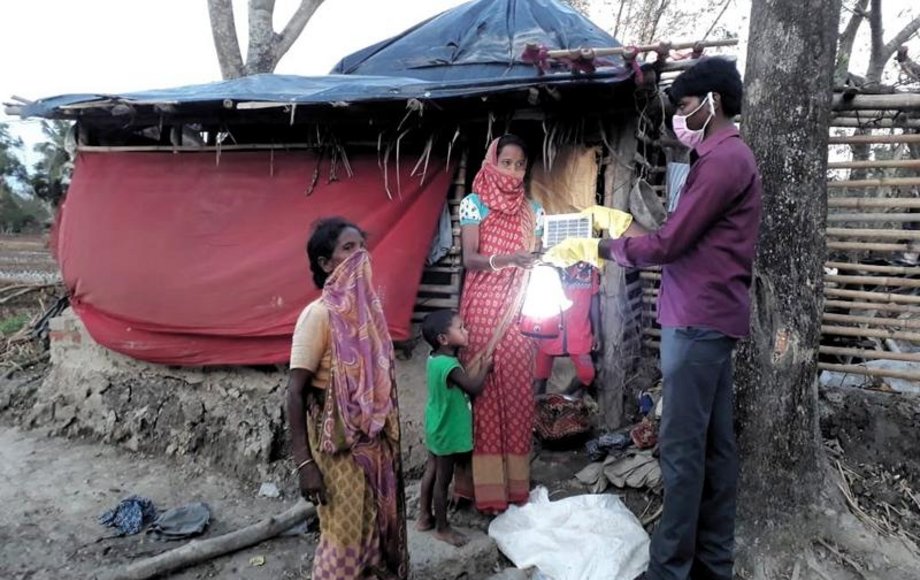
(876, 102)
(882, 182)
(873, 139)
(871, 320)
(874, 233)
(876, 164)
(860, 370)
(198, 551)
(902, 270)
(870, 332)
(623, 50)
(870, 123)
(874, 202)
(868, 247)
(874, 217)
(873, 280)
(881, 307)
(870, 354)
(873, 296)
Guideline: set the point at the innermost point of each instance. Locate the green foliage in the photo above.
(13, 324)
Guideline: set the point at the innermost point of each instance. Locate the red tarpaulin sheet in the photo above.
(178, 259)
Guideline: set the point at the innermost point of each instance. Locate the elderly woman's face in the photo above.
(349, 242)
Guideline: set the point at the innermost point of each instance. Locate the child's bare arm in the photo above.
(470, 384)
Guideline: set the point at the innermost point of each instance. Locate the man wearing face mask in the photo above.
(706, 250)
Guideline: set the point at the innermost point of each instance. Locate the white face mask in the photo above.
(688, 136)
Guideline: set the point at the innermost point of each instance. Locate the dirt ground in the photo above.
(52, 490)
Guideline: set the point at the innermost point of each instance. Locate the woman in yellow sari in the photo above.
(343, 414)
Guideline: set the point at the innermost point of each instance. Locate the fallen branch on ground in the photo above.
(198, 551)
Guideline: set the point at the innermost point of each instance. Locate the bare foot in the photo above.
(452, 537)
(424, 523)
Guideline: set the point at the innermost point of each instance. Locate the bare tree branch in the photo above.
(294, 27)
(718, 18)
(223, 29)
(847, 39)
(902, 37)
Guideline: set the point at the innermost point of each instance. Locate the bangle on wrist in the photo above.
(492, 263)
(303, 464)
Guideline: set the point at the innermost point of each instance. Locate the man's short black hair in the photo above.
(435, 325)
(711, 75)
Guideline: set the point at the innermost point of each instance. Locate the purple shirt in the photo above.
(706, 247)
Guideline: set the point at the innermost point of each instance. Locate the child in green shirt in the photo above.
(448, 419)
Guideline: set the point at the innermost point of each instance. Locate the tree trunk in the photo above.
(266, 47)
(847, 38)
(786, 116)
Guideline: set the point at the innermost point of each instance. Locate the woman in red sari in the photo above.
(500, 231)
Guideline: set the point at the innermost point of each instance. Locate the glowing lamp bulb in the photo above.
(544, 297)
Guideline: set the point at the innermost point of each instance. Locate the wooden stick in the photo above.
(874, 217)
(874, 123)
(903, 270)
(198, 551)
(622, 50)
(873, 296)
(847, 304)
(874, 233)
(875, 102)
(874, 202)
(871, 320)
(874, 280)
(868, 247)
(869, 372)
(870, 354)
(872, 139)
(876, 164)
(870, 332)
(882, 182)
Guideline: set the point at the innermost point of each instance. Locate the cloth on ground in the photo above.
(600, 447)
(585, 537)
(181, 522)
(637, 469)
(130, 515)
(559, 416)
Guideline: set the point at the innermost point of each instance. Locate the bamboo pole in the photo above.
(868, 354)
(903, 270)
(860, 370)
(874, 217)
(882, 182)
(876, 164)
(873, 280)
(881, 307)
(874, 202)
(874, 233)
(876, 102)
(868, 247)
(875, 123)
(872, 320)
(870, 332)
(873, 296)
(590, 53)
(873, 139)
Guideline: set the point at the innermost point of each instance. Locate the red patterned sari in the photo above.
(503, 414)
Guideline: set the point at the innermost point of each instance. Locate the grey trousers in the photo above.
(699, 458)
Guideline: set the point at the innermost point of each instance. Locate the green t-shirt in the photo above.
(448, 414)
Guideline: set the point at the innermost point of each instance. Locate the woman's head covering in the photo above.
(499, 191)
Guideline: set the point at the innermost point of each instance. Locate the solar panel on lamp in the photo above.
(567, 225)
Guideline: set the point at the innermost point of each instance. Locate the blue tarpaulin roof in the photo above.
(473, 49)
(478, 40)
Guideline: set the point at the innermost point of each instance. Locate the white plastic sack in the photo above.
(585, 537)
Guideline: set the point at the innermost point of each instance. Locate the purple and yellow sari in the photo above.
(355, 436)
